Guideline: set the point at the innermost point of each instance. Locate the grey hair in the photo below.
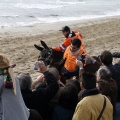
(25, 81)
(55, 72)
(104, 73)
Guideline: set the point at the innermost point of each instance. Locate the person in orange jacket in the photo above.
(71, 54)
(69, 35)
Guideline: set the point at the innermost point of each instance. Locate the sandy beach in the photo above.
(18, 43)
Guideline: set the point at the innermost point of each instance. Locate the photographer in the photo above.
(40, 98)
(87, 64)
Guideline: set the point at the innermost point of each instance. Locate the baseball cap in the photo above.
(65, 29)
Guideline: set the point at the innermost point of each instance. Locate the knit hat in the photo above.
(5, 70)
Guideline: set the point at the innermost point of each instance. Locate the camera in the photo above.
(81, 58)
(36, 66)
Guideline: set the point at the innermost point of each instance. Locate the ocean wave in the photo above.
(27, 23)
(18, 24)
(69, 3)
(47, 4)
(63, 19)
(41, 20)
(37, 6)
(51, 19)
(112, 13)
(9, 16)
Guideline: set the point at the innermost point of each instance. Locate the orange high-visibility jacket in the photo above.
(67, 41)
(70, 63)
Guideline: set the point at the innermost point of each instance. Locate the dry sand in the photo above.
(99, 34)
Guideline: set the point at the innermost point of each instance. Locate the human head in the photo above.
(55, 72)
(4, 62)
(76, 83)
(69, 97)
(103, 73)
(75, 45)
(65, 30)
(5, 69)
(25, 81)
(104, 87)
(106, 57)
(88, 81)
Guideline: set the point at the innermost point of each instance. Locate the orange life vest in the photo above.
(70, 63)
(67, 42)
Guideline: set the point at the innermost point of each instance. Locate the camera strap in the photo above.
(104, 105)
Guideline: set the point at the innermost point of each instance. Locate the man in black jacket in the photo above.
(40, 98)
(107, 58)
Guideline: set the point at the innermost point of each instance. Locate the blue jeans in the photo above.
(117, 115)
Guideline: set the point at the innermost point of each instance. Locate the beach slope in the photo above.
(18, 43)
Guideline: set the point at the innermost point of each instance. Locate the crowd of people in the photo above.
(91, 90)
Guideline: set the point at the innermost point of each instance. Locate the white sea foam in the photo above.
(29, 12)
(63, 19)
(37, 6)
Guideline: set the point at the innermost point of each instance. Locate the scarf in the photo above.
(8, 78)
(76, 52)
(89, 92)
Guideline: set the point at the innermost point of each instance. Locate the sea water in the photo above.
(30, 12)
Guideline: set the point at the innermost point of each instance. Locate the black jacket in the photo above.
(116, 54)
(40, 98)
(115, 70)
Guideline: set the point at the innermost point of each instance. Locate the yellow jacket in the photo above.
(90, 107)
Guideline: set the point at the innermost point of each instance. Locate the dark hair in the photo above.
(109, 89)
(104, 87)
(69, 97)
(97, 58)
(88, 80)
(76, 42)
(54, 71)
(25, 81)
(76, 83)
(65, 29)
(106, 57)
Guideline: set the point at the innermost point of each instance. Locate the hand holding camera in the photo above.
(85, 59)
(79, 63)
(40, 66)
(81, 58)
(88, 57)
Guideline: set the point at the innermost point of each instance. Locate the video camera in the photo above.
(81, 58)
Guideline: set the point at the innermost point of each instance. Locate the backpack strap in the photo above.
(104, 105)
